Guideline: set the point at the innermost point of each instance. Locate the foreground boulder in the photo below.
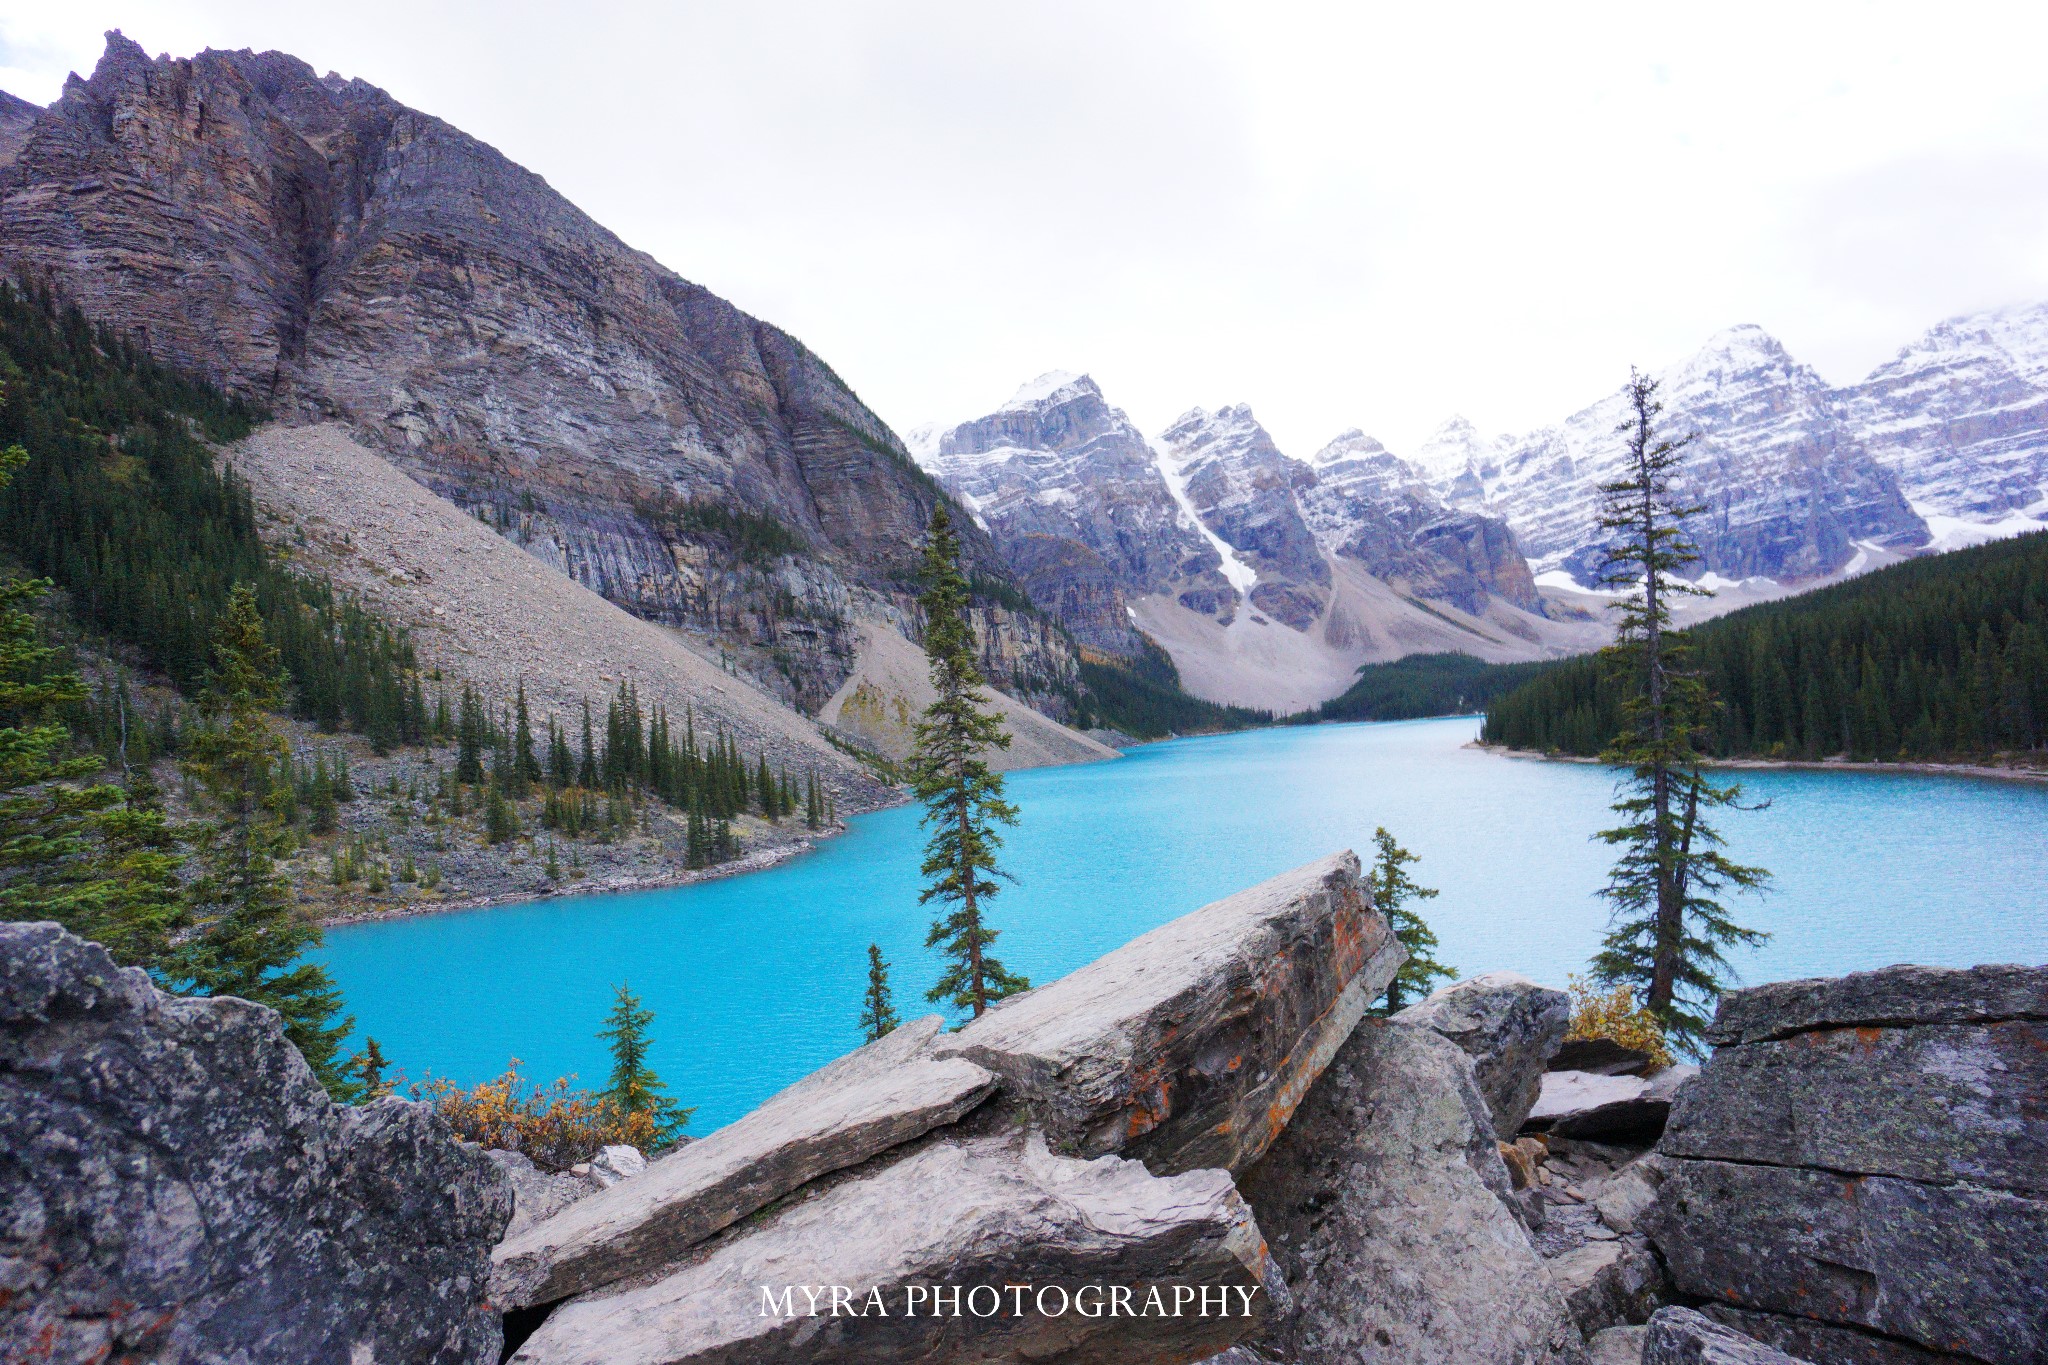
(1679, 1336)
(1510, 1027)
(867, 1102)
(1190, 1046)
(1385, 1203)
(178, 1187)
(1612, 1108)
(964, 1249)
(1871, 1153)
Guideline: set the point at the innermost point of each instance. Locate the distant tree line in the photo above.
(1424, 685)
(1142, 698)
(1937, 658)
(122, 506)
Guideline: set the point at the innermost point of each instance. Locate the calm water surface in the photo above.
(756, 980)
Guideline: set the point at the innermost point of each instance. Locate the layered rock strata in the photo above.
(1510, 1027)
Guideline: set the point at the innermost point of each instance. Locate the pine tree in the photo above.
(1668, 930)
(1392, 890)
(634, 1088)
(877, 1013)
(962, 795)
(367, 1068)
(586, 768)
(251, 940)
(472, 734)
(320, 803)
(525, 763)
(501, 818)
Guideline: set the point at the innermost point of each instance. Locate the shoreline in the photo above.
(1835, 765)
(759, 861)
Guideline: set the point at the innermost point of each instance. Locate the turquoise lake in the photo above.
(756, 980)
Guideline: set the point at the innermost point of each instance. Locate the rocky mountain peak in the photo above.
(1053, 388)
(1350, 445)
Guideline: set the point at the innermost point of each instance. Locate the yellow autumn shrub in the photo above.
(554, 1124)
(1614, 1015)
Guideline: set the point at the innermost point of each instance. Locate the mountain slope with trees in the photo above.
(1943, 658)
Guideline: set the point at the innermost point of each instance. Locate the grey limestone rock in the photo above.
(1825, 1343)
(965, 1215)
(178, 1187)
(1679, 1336)
(1510, 1027)
(1384, 1205)
(1578, 1104)
(1616, 1346)
(1609, 1283)
(538, 1194)
(1191, 1046)
(875, 1098)
(1867, 1153)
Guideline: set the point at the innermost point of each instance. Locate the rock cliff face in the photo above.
(313, 244)
(1073, 493)
(178, 1187)
(1787, 485)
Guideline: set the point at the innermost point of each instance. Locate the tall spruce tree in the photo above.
(877, 1009)
(1392, 891)
(634, 1088)
(1668, 928)
(962, 795)
(251, 939)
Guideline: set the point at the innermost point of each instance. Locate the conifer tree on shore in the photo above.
(634, 1088)
(877, 1009)
(251, 938)
(1668, 929)
(1392, 890)
(962, 795)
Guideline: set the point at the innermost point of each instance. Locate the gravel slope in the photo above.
(483, 610)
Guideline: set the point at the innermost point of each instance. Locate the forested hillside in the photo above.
(1425, 685)
(122, 506)
(1937, 658)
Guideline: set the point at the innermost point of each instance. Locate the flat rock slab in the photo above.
(1891, 997)
(1601, 1056)
(1510, 1027)
(1955, 1268)
(925, 1251)
(1385, 1204)
(1826, 1343)
(1582, 1104)
(1679, 1336)
(1190, 1046)
(1935, 1102)
(176, 1186)
(875, 1098)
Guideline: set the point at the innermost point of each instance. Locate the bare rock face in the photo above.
(313, 244)
(1679, 1336)
(1385, 1205)
(928, 1249)
(1244, 489)
(178, 1187)
(1620, 1108)
(1191, 1046)
(1824, 1343)
(871, 1100)
(1872, 1153)
(1510, 1027)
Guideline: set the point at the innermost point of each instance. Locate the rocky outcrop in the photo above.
(178, 1187)
(928, 1249)
(871, 1100)
(1191, 1045)
(1074, 496)
(1510, 1027)
(1615, 1108)
(1871, 1153)
(1385, 1203)
(311, 243)
(1679, 1336)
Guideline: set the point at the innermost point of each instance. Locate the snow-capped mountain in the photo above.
(1268, 579)
(1961, 417)
(1077, 501)
(1787, 484)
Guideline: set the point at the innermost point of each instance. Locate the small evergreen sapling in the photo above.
(877, 1011)
(634, 1089)
(1392, 891)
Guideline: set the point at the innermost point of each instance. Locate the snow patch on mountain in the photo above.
(1236, 570)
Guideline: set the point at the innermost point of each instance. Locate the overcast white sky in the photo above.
(1343, 215)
